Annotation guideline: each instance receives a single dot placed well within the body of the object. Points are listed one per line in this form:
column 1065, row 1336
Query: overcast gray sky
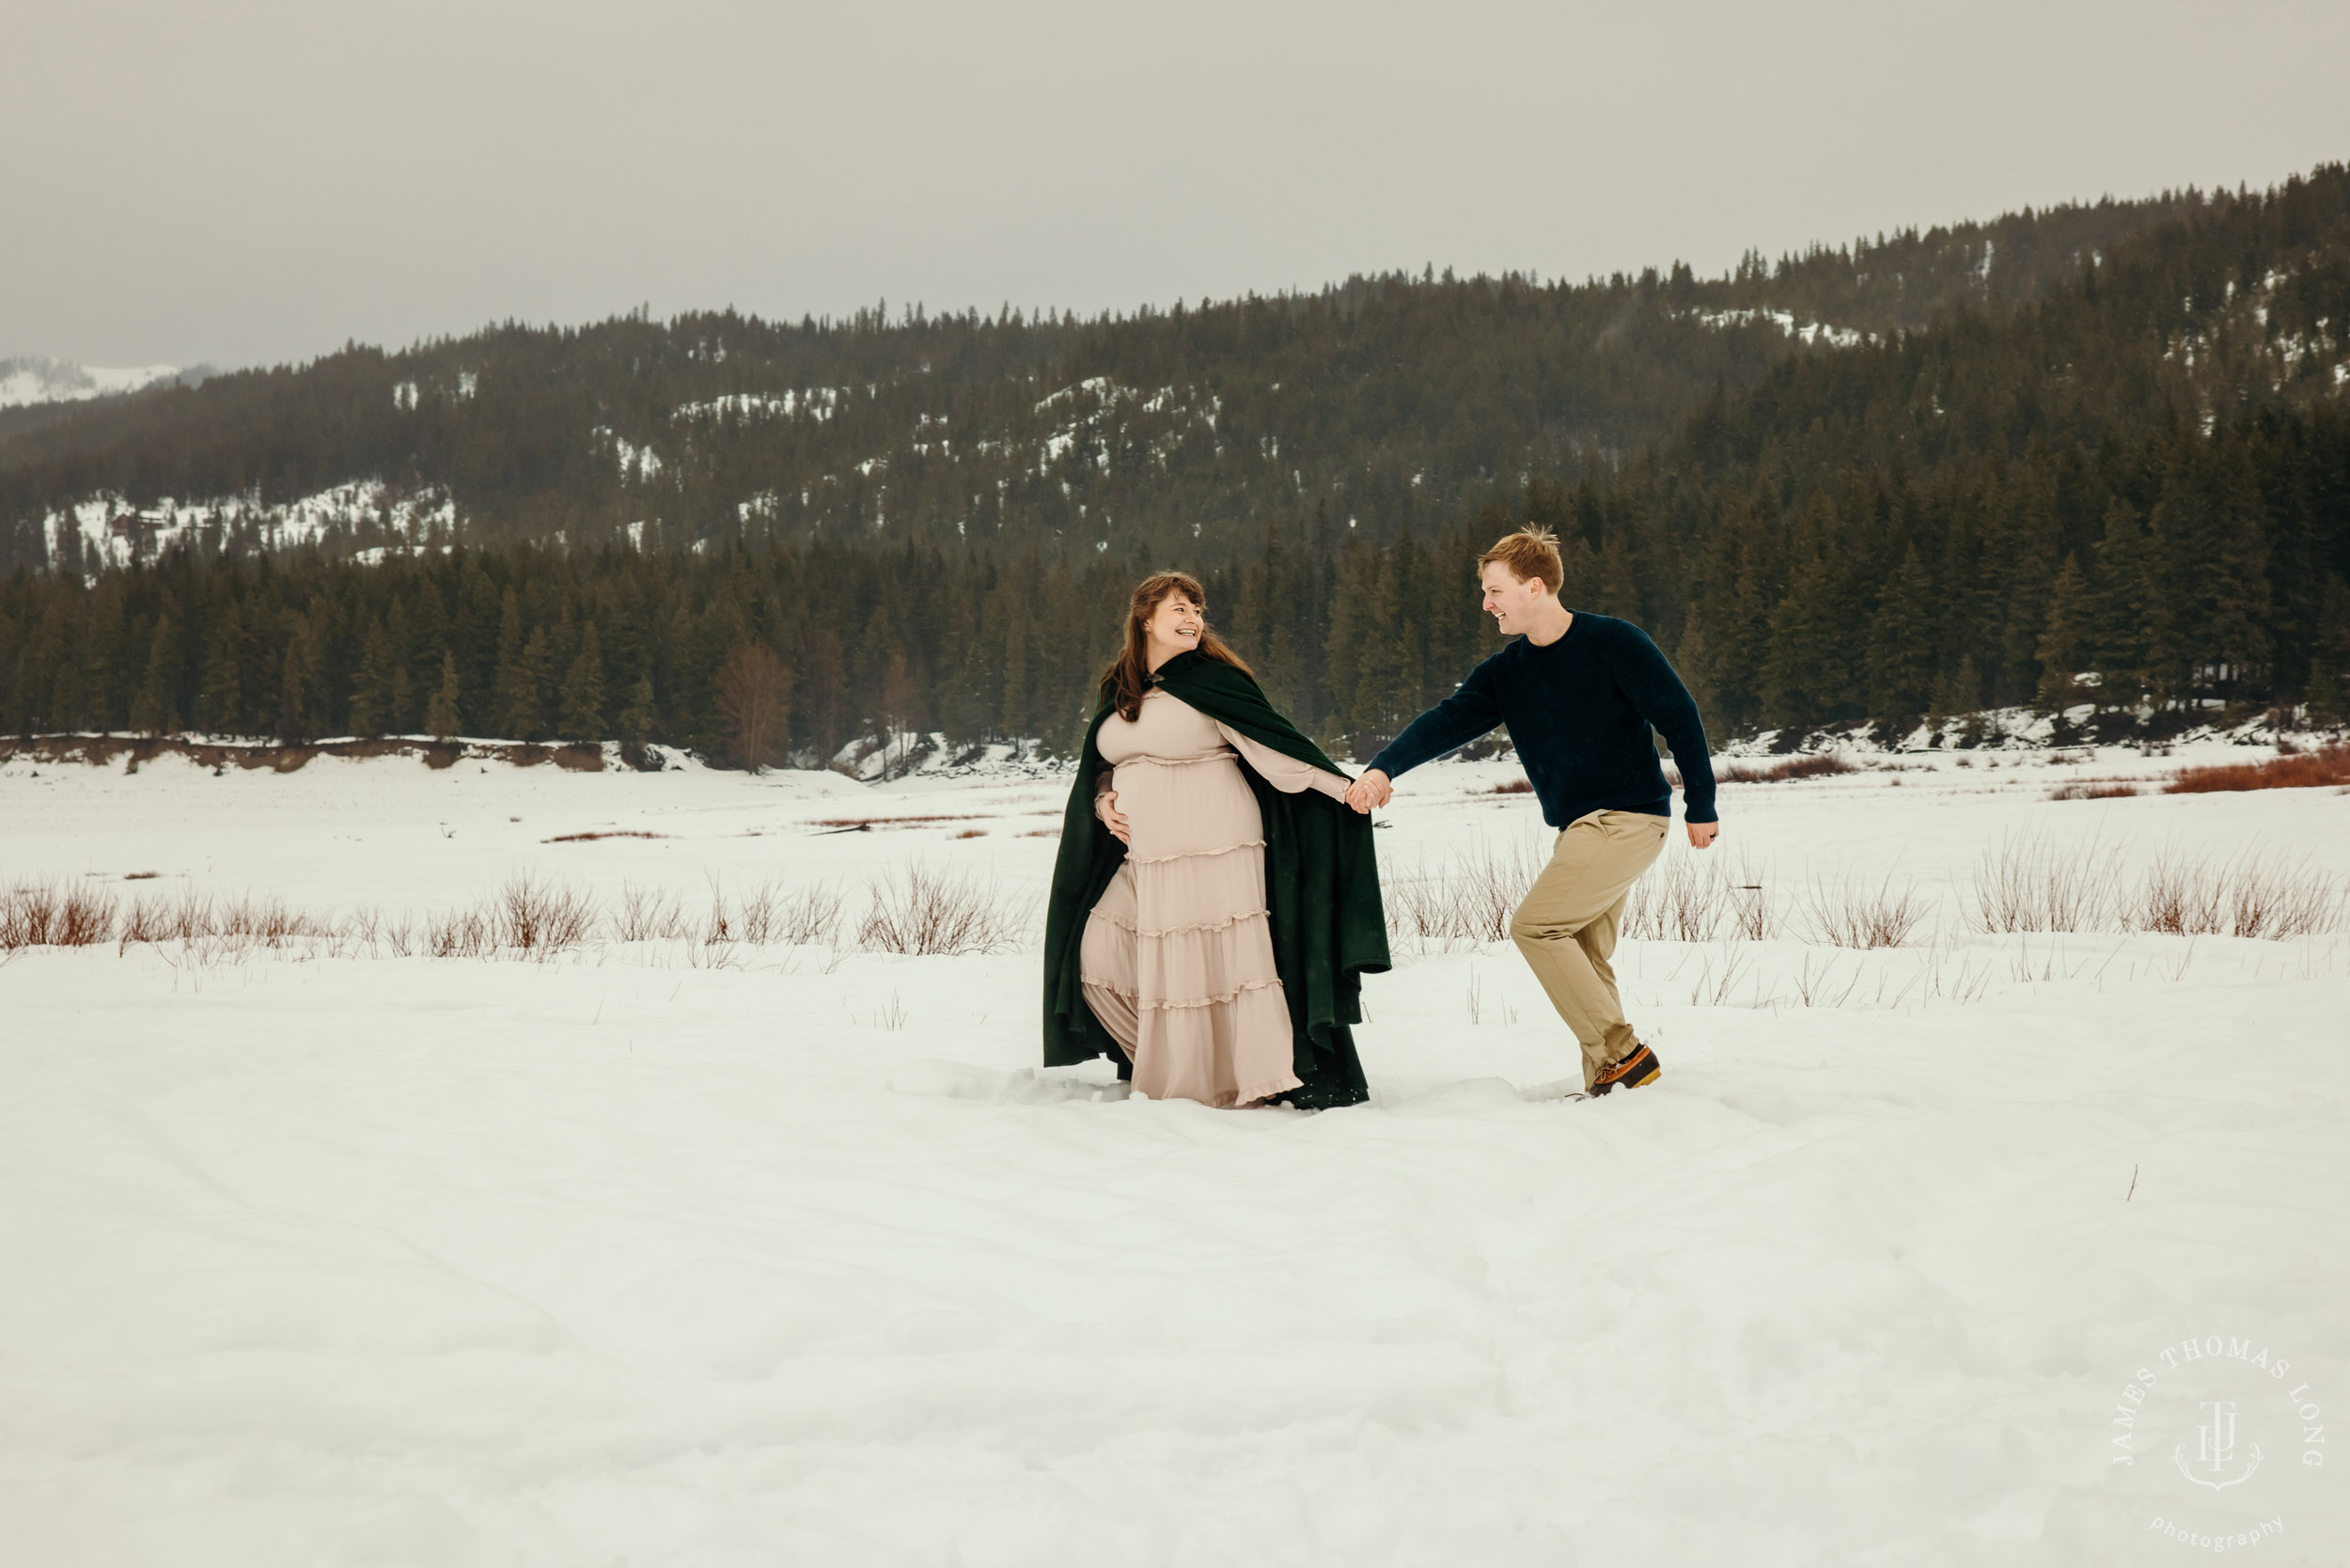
column 245, row 180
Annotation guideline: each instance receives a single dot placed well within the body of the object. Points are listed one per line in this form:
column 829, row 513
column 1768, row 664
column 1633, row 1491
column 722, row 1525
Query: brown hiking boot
column 1636, row 1071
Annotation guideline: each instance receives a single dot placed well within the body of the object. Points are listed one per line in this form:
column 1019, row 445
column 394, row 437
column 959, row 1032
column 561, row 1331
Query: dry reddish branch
column 2308, row 770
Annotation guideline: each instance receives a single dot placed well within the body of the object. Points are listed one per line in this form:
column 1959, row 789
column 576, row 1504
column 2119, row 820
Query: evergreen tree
column 1957, row 693
column 582, row 691
column 515, row 694
column 636, row 722
column 220, row 699
column 442, row 719
column 156, row 710
column 523, row 689
column 372, row 686
column 296, row 717
column 1900, row 642
column 2064, row 637
column 2124, row 596
column 2326, row 700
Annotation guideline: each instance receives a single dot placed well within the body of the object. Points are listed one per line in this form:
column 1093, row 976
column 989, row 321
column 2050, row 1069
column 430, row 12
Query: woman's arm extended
column 1285, row 774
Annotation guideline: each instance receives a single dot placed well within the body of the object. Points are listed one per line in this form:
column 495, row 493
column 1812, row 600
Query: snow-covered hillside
column 681, row 1247
column 36, row 379
column 363, row 518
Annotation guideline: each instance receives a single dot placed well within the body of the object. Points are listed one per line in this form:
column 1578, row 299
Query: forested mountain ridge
column 1401, row 401
column 2143, row 475
column 2126, row 483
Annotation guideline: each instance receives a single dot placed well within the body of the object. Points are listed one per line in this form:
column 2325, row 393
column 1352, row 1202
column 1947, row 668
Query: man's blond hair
column 1531, row 551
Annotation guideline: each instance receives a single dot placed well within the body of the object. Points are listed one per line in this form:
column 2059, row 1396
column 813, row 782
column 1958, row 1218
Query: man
column 1579, row 693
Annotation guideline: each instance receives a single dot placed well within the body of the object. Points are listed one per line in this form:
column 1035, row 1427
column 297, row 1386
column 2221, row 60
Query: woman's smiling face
column 1175, row 624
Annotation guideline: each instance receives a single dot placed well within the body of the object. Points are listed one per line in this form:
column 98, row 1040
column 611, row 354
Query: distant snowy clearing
column 674, row 1250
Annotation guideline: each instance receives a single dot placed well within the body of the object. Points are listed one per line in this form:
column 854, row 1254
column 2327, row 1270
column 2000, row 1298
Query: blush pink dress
column 1176, row 959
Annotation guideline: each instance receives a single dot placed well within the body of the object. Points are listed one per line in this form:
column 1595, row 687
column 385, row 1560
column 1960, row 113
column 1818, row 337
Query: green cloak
column 1321, row 885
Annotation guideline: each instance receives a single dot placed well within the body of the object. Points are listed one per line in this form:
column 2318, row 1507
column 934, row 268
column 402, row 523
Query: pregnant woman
column 1216, row 903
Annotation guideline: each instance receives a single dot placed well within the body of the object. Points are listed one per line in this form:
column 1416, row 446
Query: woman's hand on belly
column 1105, row 807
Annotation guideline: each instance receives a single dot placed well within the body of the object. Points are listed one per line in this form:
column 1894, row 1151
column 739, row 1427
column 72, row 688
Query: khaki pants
column 1566, row 928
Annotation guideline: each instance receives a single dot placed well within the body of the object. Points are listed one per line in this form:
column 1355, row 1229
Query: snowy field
column 675, row 1252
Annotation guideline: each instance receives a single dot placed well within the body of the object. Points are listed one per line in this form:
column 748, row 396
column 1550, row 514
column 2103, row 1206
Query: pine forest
column 2096, row 455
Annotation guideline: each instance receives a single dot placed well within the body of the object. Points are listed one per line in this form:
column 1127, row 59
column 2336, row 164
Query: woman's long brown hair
column 1129, row 675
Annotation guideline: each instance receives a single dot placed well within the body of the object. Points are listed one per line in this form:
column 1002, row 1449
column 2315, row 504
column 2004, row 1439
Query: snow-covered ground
column 673, row 1252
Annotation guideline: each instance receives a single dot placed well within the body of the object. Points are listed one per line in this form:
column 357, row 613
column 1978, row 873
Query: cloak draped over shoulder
column 1322, row 890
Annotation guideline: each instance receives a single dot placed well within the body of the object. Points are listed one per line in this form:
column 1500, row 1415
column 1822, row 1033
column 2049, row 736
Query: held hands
column 1105, row 807
column 1371, row 792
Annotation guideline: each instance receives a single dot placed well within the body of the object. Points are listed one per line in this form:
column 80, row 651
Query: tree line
column 2182, row 568
column 2122, row 480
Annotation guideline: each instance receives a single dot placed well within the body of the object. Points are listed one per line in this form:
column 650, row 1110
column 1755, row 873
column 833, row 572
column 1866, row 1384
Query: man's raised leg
column 1566, row 927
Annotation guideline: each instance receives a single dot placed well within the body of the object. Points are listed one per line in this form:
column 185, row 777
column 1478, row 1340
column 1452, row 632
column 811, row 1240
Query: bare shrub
column 149, row 920
column 190, row 915
column 401, row 936
column 810, row 916
column 1750, row 904
column 1467, row 897
column 379, row 932
column 2024, row 883
column 263, row 922
column 541, row 918
column 2276, row 900
column 648, row 914
column 1681, row 900
column 2027, row 882
column 924, row 912
column 1851, row 913
column 85, row 916
column 1820, row 990
column 29, row 911
column 756, row 914
column 461, row 933
column 2179, row 898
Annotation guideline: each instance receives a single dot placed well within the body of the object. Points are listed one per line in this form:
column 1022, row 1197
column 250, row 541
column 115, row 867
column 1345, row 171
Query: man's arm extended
column 1469, row 713
column 1655, row 690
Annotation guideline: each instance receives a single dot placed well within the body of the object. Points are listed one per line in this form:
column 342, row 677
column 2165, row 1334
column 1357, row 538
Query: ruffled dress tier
column 1177, row 955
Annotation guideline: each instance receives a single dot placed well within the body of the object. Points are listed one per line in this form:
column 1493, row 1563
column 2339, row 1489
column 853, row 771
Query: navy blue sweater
column 1579, row 712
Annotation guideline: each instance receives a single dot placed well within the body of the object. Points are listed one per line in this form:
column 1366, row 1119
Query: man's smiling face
column 1516, row 604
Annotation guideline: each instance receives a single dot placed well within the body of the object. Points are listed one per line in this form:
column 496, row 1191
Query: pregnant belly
column 1186, row 808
